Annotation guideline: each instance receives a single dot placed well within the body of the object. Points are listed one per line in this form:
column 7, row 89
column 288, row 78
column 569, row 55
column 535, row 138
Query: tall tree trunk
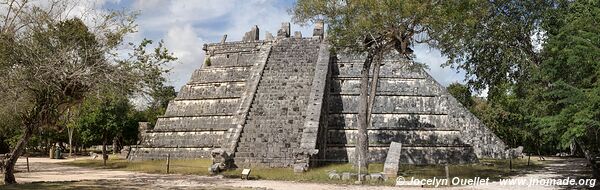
column 9, row 164
column 362, row 141
column 114, row 145
column 373, row 93
column 71, row 130
column 70, row 133
column 104, row 153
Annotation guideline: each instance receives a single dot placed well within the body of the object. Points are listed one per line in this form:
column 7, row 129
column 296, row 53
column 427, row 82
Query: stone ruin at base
column 287, row 101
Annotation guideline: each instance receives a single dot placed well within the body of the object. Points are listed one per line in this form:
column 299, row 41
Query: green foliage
column 102, row 119
column 207, row 62
column 158, row 106
column 54, row 62
column 565, row 90
column 162, row 96
column 496, row 49
column 358, row 25
column 462, row 93
column 506, row 118
column 556, row 99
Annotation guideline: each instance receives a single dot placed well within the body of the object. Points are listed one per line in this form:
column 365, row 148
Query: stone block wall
column 417, row 155
column 411, row 108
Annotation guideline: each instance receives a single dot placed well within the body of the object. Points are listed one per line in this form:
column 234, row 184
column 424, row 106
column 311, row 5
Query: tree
column 160, row 100
column 498, row 46
column 104, row 119
column 50, row 62
column 565, row 89
column 374, row 28
column 462, row 93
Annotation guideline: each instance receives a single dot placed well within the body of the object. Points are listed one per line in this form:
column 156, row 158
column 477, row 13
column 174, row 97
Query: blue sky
column 185, row 25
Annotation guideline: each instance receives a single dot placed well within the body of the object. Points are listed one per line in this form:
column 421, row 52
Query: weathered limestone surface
column 392, row 160
column 390, row 121
column 275, row 123
column 391, row 104
column 286, row 101
column 418, row 155
column 385, row 137
column 314, row 134
column 202, row 107
column 411, row 108
column 200, row 139
column 216, row 123
column 211, row 91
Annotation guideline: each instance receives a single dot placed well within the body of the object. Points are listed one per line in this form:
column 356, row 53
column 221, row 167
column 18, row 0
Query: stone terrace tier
column 410, row 108
column 205, row 108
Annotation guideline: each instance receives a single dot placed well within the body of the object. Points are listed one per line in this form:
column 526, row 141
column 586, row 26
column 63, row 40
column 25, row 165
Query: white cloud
column 158, row 14
column 434, row 59
column 185, row 25
column 187, row 46
column 265, row 15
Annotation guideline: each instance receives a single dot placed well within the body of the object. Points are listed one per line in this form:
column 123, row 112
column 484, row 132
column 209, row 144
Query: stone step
column 276, row 120
column 295, row 117
column 275, row 128
column 263, row 142
column 276, row 113
column 291, row 68
column 285, row 79
column 291, row 76
column 285, row 86
column 292, row 48
column 268, row 147
column 266, row 98
column 277, row 151
column 277, row 108
column 274, row 103
column 286, row 92
column 247, row 162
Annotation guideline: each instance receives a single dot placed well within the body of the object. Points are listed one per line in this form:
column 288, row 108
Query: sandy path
column 48, row 170
column 555, row 168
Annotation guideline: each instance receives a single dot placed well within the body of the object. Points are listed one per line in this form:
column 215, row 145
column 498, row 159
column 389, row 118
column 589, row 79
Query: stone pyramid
column 287, row 101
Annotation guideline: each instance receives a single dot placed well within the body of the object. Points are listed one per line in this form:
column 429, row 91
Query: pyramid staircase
column 275, row 122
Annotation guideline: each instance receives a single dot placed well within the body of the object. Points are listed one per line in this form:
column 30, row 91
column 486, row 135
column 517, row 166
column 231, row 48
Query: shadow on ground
column 102, row 184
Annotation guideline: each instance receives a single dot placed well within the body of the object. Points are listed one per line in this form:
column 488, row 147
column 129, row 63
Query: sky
column 185, row 25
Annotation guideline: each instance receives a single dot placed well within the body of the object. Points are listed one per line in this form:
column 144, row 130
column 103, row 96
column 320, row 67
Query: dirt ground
column 44, row 170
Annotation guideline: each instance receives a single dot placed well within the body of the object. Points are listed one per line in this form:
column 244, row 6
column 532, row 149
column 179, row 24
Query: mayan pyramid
column 286, row 101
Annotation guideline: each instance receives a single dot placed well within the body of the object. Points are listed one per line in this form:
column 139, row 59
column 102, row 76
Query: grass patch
column 196, row 167
column 494, row 169
column 317, row 174
column 487, row 168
